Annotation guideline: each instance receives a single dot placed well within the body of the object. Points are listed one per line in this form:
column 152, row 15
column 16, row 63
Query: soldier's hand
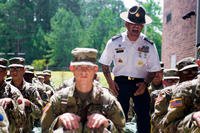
column 6, row 103
column 96, row 120
column 196, row 117
column 141, row 89
column 69, row 121
column 114, row 88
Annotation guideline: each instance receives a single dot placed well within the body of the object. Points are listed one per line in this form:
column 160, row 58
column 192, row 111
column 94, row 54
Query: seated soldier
column 84, row 106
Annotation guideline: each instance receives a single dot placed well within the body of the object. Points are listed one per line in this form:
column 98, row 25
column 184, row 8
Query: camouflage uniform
column 96, row 100
column 35, row 110
column 99, row 101
column 29, row 92
column 165, row 118
column 182, row 101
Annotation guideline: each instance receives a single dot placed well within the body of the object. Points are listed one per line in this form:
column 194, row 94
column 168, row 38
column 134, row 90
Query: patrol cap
column 186, row 63
column 136, row 15
column 170, row 74
column 16, row 62
column 40, row 75
column 84, row 56
column 29, row 69
column 3, row 63
column 47, row 72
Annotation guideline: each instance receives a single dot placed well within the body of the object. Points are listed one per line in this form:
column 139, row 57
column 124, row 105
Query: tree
column 64, row 36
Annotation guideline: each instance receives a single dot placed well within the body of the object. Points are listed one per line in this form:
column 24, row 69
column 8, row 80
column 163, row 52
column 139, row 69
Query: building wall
column 179, row 35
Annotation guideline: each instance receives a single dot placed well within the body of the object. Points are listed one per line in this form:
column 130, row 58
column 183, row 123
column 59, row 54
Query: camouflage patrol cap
column 186, row 63
column 40, row 75
column 29, row 69
column 84, row 56
column 47, row 72
column 170, row 74
column 136, row 15
column 16, row 62
column 3, row 63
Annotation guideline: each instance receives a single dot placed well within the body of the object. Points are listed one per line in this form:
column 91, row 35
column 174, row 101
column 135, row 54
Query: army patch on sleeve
column 46, row 107
column 178, row 102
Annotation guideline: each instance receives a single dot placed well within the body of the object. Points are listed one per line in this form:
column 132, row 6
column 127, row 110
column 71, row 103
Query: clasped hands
column 70, row 121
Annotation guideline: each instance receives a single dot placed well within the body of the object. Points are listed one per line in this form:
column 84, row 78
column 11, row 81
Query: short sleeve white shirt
column 131, row 58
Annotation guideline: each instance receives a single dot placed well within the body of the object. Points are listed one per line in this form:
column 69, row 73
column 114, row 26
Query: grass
column 58, row 77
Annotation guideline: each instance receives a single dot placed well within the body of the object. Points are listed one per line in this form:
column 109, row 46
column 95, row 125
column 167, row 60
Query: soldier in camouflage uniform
column 46, row 91
column 84, row 106
column 29, row 73
column 155, row 86
column 32, row 99
column 8, row 100
column 47, row 78
column 170, row 103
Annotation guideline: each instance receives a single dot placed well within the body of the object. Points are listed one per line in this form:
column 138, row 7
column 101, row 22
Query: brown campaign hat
column 136, row 15
column 84, row 56
column 3, row 63
column 16, row 62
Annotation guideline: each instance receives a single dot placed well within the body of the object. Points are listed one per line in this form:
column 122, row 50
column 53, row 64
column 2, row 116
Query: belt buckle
column 130, row 78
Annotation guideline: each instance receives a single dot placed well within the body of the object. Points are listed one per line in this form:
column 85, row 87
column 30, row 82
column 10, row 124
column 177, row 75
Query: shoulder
column 116, row 37
column 146, row 40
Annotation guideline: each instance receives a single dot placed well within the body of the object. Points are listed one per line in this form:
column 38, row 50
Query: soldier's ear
column 96, row 68
column 71, row 68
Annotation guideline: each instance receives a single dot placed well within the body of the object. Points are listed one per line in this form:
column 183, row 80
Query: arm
column 112, row 85
column 143, row 85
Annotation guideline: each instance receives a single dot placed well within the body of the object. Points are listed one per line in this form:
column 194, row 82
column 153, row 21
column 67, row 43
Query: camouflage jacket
column 15, row 112
column 185, row 100
column 98, row 101
column 35, row 110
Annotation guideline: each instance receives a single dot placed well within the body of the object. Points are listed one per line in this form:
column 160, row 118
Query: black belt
column 127, row 78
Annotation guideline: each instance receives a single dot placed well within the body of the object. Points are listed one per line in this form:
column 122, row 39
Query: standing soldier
column 32, row 99
column 84, row 106
column 135, row 61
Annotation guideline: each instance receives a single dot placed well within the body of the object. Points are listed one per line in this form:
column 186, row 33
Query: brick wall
column 179, row 35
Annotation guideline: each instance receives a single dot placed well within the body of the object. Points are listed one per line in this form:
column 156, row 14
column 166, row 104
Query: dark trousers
column 127, row 88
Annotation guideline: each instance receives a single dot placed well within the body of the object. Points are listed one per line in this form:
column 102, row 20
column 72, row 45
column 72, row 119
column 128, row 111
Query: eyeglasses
column 15, row 69
column 88, row 68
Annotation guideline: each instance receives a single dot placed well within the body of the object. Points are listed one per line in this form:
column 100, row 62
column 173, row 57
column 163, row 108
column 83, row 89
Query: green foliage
column 50, row 29
column 65, row 35
column 39, row 65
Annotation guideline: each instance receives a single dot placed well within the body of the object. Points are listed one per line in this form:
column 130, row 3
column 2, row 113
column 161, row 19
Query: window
column 169, row 17
column 173, row 61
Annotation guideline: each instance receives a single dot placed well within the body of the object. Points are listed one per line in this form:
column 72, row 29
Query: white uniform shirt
column 131, row 58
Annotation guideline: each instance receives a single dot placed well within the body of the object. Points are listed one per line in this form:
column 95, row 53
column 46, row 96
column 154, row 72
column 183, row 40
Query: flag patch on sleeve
column 178, row 102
